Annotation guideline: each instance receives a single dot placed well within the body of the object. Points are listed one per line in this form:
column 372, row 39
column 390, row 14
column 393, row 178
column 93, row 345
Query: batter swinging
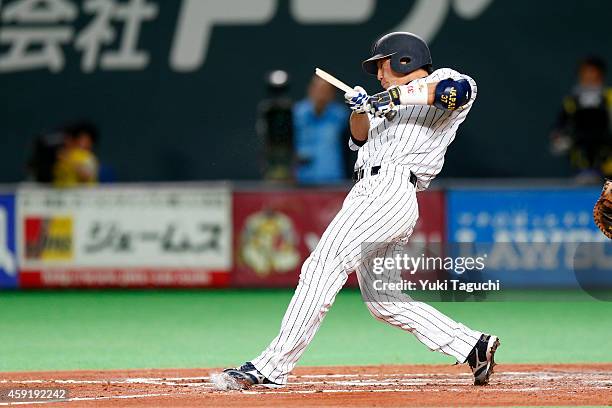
column 398, row 155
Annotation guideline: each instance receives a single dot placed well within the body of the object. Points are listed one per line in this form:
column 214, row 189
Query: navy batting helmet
column 408, row 52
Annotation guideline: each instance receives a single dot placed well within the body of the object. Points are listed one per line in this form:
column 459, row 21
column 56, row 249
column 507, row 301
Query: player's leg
column 431, row 327
column 381, row 214
column 322, row 276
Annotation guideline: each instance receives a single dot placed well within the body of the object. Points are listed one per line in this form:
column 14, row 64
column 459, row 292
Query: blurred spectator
column 320, row 125
column 274, row 127
column 76, row 163
column 583, row 127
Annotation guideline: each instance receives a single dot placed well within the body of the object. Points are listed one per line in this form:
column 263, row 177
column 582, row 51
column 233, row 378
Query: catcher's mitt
column 602, row 213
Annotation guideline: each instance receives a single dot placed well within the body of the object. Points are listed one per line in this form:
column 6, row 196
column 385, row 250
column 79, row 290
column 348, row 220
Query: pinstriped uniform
column 380, row 208
column 418, row 136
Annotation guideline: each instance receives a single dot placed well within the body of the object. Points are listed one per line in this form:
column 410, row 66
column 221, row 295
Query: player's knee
column 451, row 94
column 308, row 270
column 318, row 269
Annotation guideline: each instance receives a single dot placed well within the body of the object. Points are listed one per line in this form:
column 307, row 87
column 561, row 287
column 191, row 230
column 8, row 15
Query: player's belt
column 359, row 174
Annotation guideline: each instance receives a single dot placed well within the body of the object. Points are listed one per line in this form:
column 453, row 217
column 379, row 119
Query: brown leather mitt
column 602, row 213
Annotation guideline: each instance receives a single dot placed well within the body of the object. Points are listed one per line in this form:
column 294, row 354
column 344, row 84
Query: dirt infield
column 588, row 384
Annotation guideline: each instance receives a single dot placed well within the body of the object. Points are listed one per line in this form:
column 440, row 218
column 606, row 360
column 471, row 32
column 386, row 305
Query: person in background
column 274, row 127
column 583, row 128
column 76, row 163
column 320, row 129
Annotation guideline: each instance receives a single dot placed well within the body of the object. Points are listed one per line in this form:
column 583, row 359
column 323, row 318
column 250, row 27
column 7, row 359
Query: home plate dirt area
column 395, row 385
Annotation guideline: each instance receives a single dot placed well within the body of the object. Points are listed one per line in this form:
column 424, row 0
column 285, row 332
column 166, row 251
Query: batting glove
column 357, row 99
column 382, row 103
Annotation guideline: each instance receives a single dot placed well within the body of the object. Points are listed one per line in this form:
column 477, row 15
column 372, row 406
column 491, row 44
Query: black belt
column 358, row 174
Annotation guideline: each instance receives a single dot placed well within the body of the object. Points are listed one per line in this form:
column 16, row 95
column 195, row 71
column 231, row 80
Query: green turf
column 141, row 329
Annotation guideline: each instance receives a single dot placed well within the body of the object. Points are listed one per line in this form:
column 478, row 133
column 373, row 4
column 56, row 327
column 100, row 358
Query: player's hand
column 381, row 103
column 357, row 99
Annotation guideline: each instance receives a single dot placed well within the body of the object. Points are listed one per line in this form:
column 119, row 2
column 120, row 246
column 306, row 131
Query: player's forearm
column 421, row 94
column 428, row 95
column 447, row 94
column 360, row 126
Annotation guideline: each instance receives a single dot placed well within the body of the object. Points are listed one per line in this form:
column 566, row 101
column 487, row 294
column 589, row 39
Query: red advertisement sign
column 274, row 232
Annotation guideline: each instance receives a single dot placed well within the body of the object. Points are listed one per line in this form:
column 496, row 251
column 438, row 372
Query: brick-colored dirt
column 511, row 385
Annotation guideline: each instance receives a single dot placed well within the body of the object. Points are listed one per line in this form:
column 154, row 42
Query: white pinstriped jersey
column 418, row 136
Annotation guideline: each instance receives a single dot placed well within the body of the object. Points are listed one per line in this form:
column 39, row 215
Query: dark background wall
column 160, row 124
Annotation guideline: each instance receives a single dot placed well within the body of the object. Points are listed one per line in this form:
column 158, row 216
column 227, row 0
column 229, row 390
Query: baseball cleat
column 481, row 359
column 247, row 375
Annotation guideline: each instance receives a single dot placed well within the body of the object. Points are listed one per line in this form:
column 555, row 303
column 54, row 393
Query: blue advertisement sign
column 531, row 237
column 8, row 259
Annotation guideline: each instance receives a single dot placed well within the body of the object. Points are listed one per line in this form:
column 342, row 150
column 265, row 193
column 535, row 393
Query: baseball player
column 401, row 135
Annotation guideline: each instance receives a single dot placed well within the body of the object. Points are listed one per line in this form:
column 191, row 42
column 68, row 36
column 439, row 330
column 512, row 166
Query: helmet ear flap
column 405, row 60
column 401, row 64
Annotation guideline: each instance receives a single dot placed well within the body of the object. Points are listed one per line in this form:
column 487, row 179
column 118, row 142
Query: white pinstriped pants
column 380, row 208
